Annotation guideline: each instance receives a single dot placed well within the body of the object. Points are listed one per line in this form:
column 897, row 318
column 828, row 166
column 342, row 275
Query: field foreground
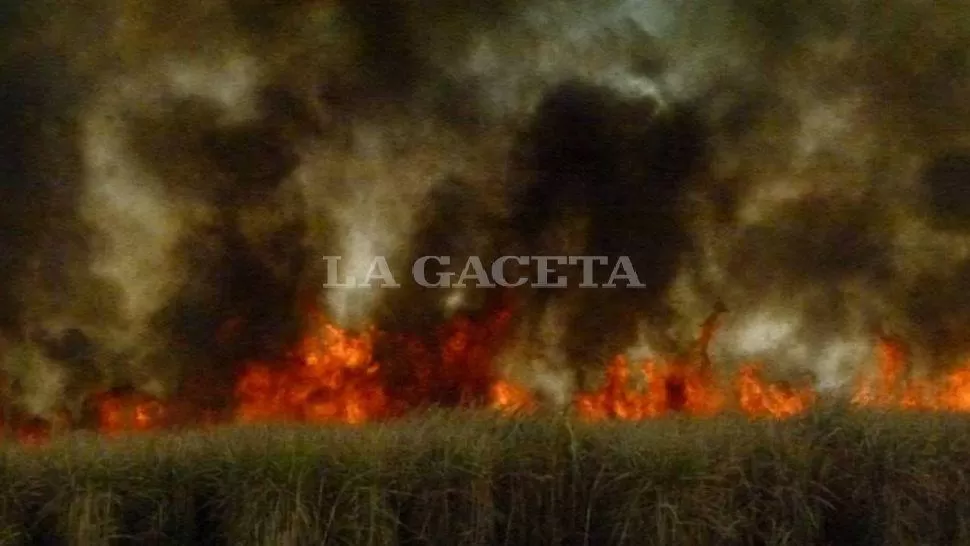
column 828, row 477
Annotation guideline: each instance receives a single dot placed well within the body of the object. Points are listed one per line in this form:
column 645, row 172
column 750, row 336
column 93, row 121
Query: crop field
column 831, row 476
column 519, row 272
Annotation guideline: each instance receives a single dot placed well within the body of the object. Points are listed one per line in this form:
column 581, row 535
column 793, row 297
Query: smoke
column 622, row 165
column 831, row 156
column 175, row 173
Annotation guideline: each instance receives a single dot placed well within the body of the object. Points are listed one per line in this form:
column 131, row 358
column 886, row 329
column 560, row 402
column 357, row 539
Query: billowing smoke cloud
column 622, row 166
column 824, row 212
column 175, row 173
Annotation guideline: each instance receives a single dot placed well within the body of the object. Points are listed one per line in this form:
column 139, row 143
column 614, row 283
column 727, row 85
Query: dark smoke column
column 621, row 167
column 50, row 303
column 241, row 298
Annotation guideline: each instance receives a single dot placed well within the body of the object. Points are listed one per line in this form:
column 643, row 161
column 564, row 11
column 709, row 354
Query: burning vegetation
column 178, row 178
column 334, row 375
column 170, row 189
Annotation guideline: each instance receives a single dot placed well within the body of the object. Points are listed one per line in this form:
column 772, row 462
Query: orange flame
column 129, row 412
column 335, row 375
column 894, row 385
column 510, row 398
column 673, row 386
column 688, row 385
column 779, row 400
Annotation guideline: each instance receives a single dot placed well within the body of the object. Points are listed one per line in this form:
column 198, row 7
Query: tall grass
column 831, row 477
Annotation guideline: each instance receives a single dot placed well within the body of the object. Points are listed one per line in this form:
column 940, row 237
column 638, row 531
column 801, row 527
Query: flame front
column 510, row 398
column 680, row 387
column 118, row 413
column 779, row 400
column 667, row 387
column 894, row 385
column 332, row 377
column 335, row 375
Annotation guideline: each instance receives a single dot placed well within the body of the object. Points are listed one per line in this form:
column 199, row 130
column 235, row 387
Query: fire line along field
column 773, row 349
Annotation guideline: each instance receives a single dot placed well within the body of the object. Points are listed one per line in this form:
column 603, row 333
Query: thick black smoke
column 838, row 166
column 47, row 289
column 174, row 174
column 623, row 166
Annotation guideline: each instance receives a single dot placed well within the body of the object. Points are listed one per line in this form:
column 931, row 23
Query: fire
column 332, row 377
column 338, row 375
column 510, row 398
column 680, row 387
column 779, row 400
column 118, row 413
column 956, row 394
column 33, row 432
column 451, row 367
column 894, row 384
column 673, row 386
column 688, row 385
